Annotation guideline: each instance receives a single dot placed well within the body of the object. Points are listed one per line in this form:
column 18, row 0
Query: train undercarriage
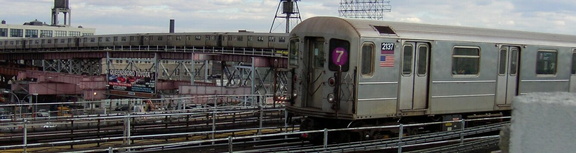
column 315, row 123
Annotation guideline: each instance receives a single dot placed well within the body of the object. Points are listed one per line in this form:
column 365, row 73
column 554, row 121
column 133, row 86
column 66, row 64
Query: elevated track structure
column 89, row 67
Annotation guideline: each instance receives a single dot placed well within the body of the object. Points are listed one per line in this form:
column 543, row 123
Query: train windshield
column 339, row 55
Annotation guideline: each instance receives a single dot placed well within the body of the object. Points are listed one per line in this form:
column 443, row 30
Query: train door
column 315, row 63
column 573, row 73
column 507, row 82
column 414, row 77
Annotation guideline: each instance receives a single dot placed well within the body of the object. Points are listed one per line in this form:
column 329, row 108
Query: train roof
column 343, row 27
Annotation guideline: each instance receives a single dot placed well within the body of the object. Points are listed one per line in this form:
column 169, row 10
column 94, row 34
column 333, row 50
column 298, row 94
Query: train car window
column 99, row 39
column 282, row 39
column 92, row 39
column 169, row 38
column 159, row 37
column 212, row 38
column 546, row 62
column 198, row 37
column 293, row 56
column 115, row 38
column 250, row 38
column 49, row 41
column 407, row 60
column 503, row 62
column 107, row 39
column 178, row 37
column 131, row 38
column 207, row 37
column 37, row 42
column 422, row 60
column 230, row 38
column 271, row 39
column 55, row 41
column 339, row 55
column 43, row 41
column 574, row 62
column 240, row 38
column 466, row 60
column 123, row 39
column 260, row 38
column 368, row 59
column 514, row 62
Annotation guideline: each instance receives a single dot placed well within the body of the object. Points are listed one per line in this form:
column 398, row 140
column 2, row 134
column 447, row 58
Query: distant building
column 37, row 29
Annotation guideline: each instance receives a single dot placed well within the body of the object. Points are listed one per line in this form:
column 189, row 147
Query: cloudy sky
column 150, row 16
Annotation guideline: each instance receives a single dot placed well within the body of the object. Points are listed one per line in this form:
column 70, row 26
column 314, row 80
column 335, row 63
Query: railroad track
column 97, row 132
column 472, row 138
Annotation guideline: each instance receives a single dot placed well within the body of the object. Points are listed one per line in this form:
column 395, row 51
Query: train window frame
column 197, row 37
column 260, row 38
column 456, row 58
column 425, row 58
column 538, row 58
column 502, row 61
column 404, row 62
column 123, row 39
column 573, row 71
column 282, row 39
column 240, row 38
column 367, row 59
column 271, row 39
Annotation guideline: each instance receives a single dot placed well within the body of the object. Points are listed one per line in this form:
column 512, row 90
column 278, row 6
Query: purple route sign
column 339, row 56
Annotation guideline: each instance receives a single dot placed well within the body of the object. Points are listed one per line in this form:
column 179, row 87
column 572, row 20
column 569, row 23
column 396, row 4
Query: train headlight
column 294, row 93
column 331, row 98
column 332, row 81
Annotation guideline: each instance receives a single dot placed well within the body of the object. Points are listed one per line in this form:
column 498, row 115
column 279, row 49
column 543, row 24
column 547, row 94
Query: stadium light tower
column 364, row 9
column 290, row 11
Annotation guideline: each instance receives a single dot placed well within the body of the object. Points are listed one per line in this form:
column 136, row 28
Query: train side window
column 407, row 60
column 422, row 60
column 271, row 39
column 159, row 37
column 514, row 62
column 198, row 38
column 123, row 39
column 178, row 37
column 293, row 56
column 92, row 39
column 503, row 62
column 260, row 38
column 368, row 59
column 240, row 38
column 49, row 41
column 115, row 38
column 169, row 38
column 574, row 62
column 131, row 38
column 107, row 39
column 282, row 39
column 546, row 62
column 250, row 38
column 466, row 61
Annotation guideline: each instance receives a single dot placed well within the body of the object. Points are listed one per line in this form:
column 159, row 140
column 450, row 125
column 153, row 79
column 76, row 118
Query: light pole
column 18, row 101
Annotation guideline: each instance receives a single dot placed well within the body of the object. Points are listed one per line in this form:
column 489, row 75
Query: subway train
column 354, row 73
column 241, row 39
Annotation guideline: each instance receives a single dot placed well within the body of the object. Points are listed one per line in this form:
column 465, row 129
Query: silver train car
column 351, row 73
column 206, row 40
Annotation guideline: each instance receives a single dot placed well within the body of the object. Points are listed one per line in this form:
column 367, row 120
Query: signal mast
column 290, row 11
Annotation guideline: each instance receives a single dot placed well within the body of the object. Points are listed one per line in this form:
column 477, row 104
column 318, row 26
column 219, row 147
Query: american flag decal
column 387, row 61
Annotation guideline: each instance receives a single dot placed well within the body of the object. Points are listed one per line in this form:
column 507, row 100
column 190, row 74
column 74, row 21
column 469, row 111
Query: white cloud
column 127, row 16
